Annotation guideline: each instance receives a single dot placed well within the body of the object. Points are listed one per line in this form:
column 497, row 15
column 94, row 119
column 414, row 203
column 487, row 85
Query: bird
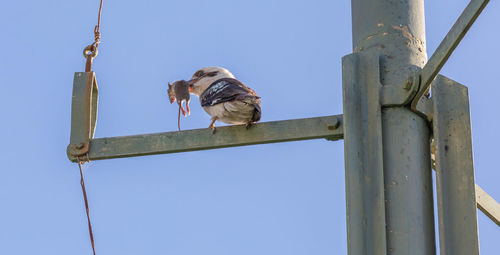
column 225, row 98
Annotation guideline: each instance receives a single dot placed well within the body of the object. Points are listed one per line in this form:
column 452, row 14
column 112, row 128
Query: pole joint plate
column 403, row 94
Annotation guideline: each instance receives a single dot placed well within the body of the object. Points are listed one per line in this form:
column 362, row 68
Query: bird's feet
column 249, row 125
column 212, row 125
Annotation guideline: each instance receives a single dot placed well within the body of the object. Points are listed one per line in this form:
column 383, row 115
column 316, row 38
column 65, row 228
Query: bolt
column 334, row 124
column 408, row 84
column 79, row 146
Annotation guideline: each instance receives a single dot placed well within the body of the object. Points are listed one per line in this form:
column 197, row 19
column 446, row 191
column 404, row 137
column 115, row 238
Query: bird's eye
column 198, row 74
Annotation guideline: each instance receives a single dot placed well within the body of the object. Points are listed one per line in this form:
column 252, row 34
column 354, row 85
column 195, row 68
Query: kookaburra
column 224, row 98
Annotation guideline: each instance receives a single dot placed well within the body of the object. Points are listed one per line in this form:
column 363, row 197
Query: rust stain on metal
column 405, row 31
column 393, row 31
column 357, row 49
column 370, row 37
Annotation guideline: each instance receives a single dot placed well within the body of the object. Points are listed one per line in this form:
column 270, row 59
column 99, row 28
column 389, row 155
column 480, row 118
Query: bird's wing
column 225, row 90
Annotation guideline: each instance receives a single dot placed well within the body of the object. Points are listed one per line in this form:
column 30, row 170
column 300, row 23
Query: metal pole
column 394, row 33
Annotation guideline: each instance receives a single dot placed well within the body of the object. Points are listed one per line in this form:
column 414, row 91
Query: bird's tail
column 256, row 113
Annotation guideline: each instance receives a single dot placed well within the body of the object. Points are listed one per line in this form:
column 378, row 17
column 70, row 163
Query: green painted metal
column 393, row 34
column 329, row 127
column 448, row 45
column 408, row 183
column 396, row 95
column 456, row 198
column 83, row 112
column 365, row 206
column 488, row 205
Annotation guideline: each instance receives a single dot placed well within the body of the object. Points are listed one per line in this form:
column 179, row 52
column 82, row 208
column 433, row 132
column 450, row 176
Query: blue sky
column 284, row 198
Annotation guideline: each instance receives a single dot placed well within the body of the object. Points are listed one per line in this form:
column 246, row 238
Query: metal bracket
column 392, row 95
column 400, row 95
column 83, row 113
column 425, row 108
column 403, row 94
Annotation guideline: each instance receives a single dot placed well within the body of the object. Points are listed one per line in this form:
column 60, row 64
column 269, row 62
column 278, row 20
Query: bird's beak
column 191, row 84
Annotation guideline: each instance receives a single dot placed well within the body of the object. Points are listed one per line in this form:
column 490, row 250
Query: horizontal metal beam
column 448, row 45
column 328, row 127
column 488, row 205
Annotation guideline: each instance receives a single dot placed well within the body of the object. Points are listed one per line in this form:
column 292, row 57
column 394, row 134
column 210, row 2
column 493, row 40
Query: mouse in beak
column 179, row 91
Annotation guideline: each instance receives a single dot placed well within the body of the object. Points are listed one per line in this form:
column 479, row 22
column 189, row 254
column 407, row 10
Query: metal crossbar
column 329, row 127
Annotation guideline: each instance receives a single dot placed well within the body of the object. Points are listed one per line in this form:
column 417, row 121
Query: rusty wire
column 90, row 52
column 97, row 33
column 87, row 210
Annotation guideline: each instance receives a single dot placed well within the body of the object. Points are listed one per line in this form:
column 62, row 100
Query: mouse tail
column 179, row 119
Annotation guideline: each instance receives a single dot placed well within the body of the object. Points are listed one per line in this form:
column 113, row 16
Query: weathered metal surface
column 425, row 108
column 397, row 95
column 454, row 169
column 408, row 183
column 394, row 31
column 329, row 127
column 83, row 112
column 448, row 45
column 363, row 155
column 488, row 205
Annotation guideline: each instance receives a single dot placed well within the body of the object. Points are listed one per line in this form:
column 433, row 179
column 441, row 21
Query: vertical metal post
column 454, row 169
column 363, row 156
column 391, row 33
